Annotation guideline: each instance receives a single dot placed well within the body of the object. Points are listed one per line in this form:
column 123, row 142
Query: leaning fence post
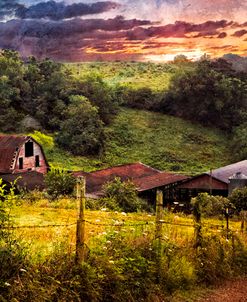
column 158, row 231
column 80, row 227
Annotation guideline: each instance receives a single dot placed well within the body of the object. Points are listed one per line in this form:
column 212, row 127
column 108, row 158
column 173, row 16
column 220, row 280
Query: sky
column 139, row 30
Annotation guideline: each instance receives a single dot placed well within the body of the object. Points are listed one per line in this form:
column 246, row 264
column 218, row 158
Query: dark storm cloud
column 54, row 29
column 179, row 30
column 240, row 33
column 8, row 8
column 222, row 35
column 59, row 10
column 80, row 38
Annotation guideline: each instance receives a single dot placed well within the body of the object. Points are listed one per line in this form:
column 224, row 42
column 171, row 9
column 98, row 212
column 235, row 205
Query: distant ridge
column 239, row 63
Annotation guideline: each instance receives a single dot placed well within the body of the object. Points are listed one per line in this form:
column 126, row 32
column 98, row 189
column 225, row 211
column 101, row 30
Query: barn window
column 37, row 163
column 20, row 163
column 28, row 149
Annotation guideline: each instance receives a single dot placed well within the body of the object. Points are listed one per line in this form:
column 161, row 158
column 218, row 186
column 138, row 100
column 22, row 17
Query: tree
column 124, row 194
column 12, row 85
column 180, row 59
column 59, row 183
column 207, row 96
column 100, row 95
column 82, row 131
column 49, row 89
column 239, row 199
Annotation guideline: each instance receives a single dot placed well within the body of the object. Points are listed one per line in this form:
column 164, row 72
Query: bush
column 124, row 194
column 238, row 199
column 59, row 183
column 212, row 205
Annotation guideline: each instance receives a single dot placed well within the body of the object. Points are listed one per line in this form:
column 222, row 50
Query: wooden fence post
column 158, row 231
column 159, row 214
column 80, row 227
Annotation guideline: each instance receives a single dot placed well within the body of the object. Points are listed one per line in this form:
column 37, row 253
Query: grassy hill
column 164, row 142
column 133, row 74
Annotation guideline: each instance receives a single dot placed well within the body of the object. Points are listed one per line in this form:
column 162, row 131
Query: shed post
column 80, row 227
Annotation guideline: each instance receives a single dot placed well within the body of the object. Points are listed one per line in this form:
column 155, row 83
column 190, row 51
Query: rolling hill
column 161, row 141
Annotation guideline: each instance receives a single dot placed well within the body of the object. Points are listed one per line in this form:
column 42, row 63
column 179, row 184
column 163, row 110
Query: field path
column 230, row 291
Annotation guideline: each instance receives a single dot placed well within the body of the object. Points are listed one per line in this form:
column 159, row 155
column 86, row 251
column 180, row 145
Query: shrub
column 58, row 183
column 238, row 199
column 212, row 205
column 125, row 195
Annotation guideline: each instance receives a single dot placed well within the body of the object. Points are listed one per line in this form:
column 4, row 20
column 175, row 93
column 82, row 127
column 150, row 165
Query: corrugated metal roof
column 95, row 180
column 158, row 180
column 8, row 147
column 30, row 180
column 224, row 173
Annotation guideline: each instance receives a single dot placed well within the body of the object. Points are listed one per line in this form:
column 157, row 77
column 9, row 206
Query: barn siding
column 204, row 182
column 29, row 162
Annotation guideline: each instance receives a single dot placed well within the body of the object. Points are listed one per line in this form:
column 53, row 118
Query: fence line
column 143, row 223
column 36, row 226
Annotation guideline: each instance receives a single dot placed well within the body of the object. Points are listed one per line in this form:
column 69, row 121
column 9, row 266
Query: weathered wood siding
column 29, row 162
column 204, row 182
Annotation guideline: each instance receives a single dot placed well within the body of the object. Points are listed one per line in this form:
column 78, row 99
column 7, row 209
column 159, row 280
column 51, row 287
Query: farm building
column 176, row 188
column 22, row 156
column 221, row 181
column 146, row 179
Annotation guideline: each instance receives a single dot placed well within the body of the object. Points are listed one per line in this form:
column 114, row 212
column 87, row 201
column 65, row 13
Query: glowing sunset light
column 155, row 30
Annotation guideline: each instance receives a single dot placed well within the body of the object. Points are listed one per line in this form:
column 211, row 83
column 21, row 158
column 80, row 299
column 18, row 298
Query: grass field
column 161, row 141
column 132, row 74
column 45, row 226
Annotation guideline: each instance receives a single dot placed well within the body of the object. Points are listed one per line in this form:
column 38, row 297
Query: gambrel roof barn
column 19, row 154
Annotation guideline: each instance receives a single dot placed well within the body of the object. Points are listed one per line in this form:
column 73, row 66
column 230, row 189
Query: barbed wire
column 36, row 226
column 117, row 224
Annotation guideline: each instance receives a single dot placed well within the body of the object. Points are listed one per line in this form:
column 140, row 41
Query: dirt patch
column 230, row 291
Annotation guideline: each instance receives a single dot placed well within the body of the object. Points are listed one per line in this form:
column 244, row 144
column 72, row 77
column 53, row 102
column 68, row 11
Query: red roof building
column 146, row 179
column 20, row 154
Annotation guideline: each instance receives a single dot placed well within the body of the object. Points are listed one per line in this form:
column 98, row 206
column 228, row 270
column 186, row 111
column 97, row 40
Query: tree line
column 45, row 95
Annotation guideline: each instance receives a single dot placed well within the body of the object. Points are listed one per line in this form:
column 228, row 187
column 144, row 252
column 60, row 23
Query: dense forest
column 49, row 96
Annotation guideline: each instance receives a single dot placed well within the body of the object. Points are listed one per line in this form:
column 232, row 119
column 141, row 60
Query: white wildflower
column 23, row 270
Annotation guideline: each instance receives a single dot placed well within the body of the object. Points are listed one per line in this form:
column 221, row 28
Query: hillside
column 133, row 74
column 164, row 142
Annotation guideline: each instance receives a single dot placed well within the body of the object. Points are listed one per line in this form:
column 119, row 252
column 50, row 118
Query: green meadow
column 161, row 141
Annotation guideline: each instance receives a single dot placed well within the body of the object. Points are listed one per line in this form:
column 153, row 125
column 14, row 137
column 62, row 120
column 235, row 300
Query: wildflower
column 7, row 284
column 123, row 213
column 111, row 261
column 104, row 248
column 108, row 242
column 104, row 209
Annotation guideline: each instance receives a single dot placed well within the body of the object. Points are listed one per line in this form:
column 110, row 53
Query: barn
column 22, row 157
column 146, row 179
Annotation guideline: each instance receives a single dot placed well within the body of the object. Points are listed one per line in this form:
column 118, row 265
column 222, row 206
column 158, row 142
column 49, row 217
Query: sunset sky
column 145, row 30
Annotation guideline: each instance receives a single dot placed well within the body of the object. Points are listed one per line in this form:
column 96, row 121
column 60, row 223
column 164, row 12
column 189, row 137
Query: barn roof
column 224, row 173
column 8, row 146
column 158, row 180
column 29, row 180
column 95, row 180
